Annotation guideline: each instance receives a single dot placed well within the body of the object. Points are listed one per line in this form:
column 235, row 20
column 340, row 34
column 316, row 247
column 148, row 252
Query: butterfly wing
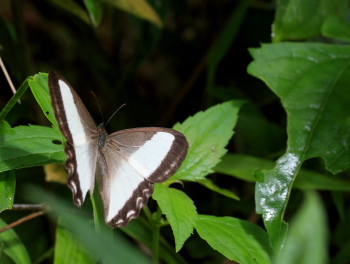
column 80, row 131
column 130, row 162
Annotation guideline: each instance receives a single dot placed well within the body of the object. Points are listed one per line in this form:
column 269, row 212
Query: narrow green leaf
column 225, row 39
column 12, row 246
column 7, row 189
column 312, row 82
column 13, row 100
column 98, row 210
column 68, row 249
column 139, row 8
column 300, row 19
column 95, row 9
column 236, row 239
column 211, row 186
column 179, row 210
column 27, row 146
column 307, row 237
column 243, row 167
column 40, row 89
column 208, row 133
column 72, row 7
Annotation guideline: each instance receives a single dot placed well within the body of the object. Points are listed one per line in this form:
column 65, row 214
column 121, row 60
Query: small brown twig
column 22, row 220
column 2, row 66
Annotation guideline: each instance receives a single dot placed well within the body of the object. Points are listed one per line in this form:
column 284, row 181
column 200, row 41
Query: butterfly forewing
column 80, row 131
column 132, row 160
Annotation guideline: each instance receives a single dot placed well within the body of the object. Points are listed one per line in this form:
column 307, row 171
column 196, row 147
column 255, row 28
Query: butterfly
column 125, row 164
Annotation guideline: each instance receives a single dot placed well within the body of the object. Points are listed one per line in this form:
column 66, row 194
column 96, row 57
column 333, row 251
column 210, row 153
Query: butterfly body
column 125, row 163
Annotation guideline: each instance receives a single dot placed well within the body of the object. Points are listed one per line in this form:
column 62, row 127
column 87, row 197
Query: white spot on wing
column 85, row 151
column 75, row 125
column 130, row 213
column 72, row 183
column 148, row 157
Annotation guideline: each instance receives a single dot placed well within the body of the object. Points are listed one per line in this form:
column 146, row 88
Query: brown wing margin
column 132, row 207
column 173, row 160
column 60, row 113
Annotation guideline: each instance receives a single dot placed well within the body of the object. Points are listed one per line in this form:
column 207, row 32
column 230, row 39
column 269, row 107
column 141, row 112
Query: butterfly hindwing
column 131, row 161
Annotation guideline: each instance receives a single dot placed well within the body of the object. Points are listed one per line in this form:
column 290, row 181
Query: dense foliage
column 266, row 179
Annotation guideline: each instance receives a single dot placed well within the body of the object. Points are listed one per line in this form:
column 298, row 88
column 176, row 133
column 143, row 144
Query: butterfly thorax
column 102, row 135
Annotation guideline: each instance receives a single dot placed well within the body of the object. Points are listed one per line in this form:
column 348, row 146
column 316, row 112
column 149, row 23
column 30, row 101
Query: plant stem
column 20, row 221
column 14, row 100
column 156, row 230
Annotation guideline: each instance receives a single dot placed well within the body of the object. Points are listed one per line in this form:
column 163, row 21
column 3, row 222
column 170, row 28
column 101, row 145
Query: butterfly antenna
column 99, row 108
column 114, row 113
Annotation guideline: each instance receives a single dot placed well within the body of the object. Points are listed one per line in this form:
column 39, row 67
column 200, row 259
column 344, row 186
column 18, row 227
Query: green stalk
column 156, row 231
column 13, row 100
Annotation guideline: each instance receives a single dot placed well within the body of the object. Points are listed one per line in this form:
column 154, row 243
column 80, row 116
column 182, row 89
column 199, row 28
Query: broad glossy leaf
column 13, row 246
column 208, row 133
column 179, row 210
column 307, row 237
column 27, row 146
column 236, row 239
column 303, row 19
column 7, row 189
column 312, row 81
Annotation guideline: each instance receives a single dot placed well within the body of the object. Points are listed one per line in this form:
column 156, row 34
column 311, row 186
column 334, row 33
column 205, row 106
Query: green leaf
column 179, row 210
column 225, row 40
column 299, row 20
column 207, row 133
column 98, row 243
column 27, row 146
column 236, row 239
column 211, row 186
column 336, row 27
column 140, row 230
column 243, row 167
column 13, row 101
column 7, row 189
column 95, row 9
column 68, row 249
column 72, row 7
column 12, row 246
column 139, row 8
column 40, row 89
column 307, row 237
column 312, row 82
